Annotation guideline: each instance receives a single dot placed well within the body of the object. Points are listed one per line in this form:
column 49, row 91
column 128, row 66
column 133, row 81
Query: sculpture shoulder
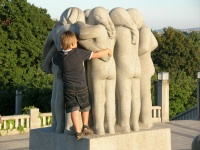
column 62, row 28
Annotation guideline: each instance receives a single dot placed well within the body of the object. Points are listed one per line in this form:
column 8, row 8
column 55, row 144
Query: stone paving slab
column 182, row 135
column 15, row 142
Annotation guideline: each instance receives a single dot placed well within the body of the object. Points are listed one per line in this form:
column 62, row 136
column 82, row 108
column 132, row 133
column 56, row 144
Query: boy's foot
column 79, row 135
column 86, row 130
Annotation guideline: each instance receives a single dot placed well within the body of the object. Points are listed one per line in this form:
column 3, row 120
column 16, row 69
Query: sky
column 158, row 14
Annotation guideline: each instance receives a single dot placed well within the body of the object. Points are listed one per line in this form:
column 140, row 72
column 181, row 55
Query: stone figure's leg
column 59, row 104
column 146, row 103
column 110, row 118
column 135, row 104
column 90, row 89
column 68, row 123
column 53, row 97
column 99, row 105
column 124, row 101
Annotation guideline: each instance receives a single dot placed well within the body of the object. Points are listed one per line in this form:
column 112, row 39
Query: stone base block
column 153, row 139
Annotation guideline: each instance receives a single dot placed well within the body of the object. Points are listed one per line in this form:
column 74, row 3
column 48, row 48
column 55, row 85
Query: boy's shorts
column 76, row 98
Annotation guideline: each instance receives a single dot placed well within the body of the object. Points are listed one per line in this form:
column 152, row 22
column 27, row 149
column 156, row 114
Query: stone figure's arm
column 145, row 35
column 47, row 45
column 91, row 46
column 134, row 30
column 148, row 42
column 47, row 62
column 88, row 31
column 154, row 42
column 108, row 25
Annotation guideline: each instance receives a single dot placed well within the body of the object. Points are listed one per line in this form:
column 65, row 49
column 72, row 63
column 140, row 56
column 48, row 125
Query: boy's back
column 71, row 64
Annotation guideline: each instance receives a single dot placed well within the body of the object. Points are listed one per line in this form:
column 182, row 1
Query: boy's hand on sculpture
column 109, row 52
column 101, row 53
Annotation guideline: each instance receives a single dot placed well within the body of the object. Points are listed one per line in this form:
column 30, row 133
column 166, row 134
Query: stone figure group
column 119, row 86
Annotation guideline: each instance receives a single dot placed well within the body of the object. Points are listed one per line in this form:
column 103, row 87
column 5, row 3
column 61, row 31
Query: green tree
column 179, row 54
column 182, row 92
column 23, row 30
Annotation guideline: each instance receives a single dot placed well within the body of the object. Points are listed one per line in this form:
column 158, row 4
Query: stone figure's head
column 87, row 12
column 100, row 15
column 120, row 17
column 136, row 16
column 72, row 15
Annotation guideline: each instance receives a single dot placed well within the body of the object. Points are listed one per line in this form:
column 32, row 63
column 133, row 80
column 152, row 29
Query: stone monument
column 119, row 86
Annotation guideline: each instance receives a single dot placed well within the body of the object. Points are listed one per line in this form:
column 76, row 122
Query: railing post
column 163, row 95
column 34, row 118
column 198, row 95
column 18, row 102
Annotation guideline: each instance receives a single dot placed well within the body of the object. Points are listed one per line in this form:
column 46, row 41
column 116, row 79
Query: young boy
column 70, row 61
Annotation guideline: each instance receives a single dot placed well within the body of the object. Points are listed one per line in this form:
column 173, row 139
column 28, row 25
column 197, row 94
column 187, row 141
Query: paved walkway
column 182, row 135
column 15, row 142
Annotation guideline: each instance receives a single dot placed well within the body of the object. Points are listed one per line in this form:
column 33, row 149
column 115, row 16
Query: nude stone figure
column 147, row 43
column 128, row 70
column 101, row 74
column 51, row 45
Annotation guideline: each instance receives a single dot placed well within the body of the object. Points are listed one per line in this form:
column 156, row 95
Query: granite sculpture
column 120, row 86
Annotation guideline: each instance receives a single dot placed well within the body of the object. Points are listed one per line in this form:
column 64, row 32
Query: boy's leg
column 85, row 118
column 75, row 120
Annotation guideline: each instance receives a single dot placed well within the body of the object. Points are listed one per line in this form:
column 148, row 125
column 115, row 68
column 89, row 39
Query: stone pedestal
column 153, row 139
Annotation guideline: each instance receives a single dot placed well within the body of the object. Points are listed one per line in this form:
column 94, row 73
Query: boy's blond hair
column 67, row 39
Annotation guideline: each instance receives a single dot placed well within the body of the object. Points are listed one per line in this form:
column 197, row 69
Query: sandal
column 79, row 135
column 86, row 130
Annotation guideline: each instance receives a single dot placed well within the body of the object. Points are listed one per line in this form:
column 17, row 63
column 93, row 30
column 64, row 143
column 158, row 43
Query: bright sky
column 179, row 14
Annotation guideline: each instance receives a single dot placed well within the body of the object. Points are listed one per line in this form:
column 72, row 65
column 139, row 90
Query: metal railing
column 189, row 114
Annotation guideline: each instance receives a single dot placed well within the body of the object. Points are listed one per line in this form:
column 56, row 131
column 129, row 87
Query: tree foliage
column 179, row 54
column 23, row 30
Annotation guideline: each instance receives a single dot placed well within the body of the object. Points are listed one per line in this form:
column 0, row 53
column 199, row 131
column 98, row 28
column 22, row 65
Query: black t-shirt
column 71, row 64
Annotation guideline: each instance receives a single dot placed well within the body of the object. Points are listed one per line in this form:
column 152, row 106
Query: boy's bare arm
column 91, row 45
column 102, row 53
